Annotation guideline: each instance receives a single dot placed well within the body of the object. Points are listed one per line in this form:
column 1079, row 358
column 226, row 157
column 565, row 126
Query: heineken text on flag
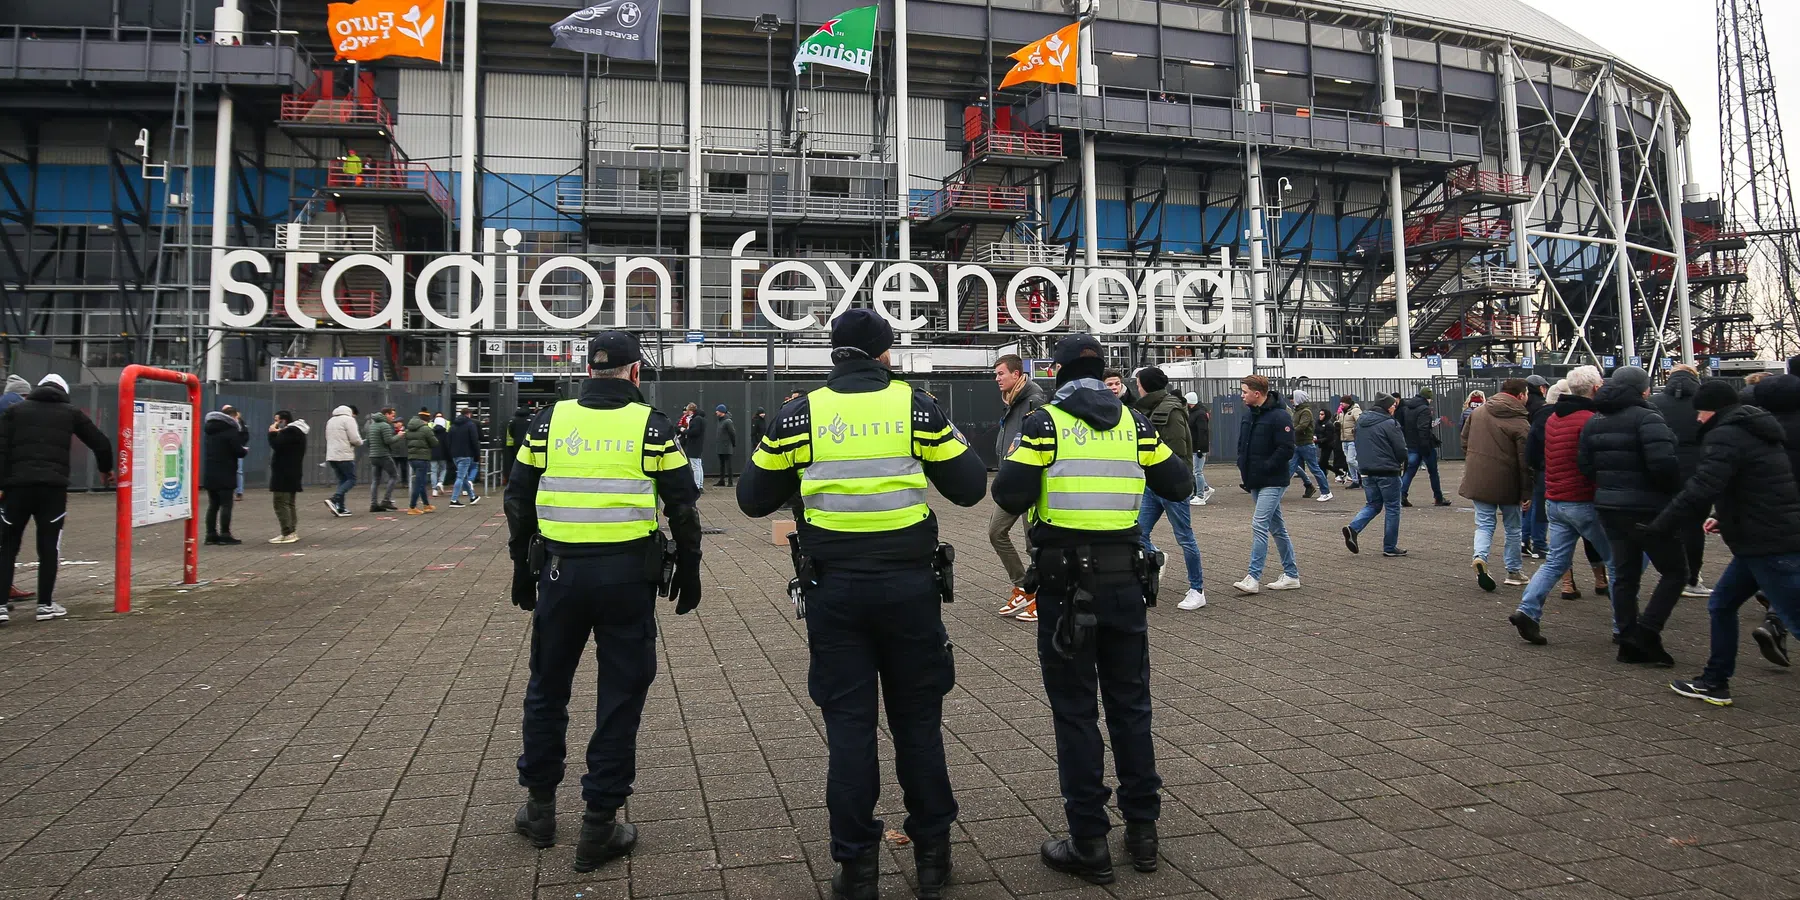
column 621, row 29
column 846, row 41
column 372, row 29
column 1051, row 59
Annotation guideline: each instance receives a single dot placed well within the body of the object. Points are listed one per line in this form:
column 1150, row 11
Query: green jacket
column 382, row 438
column 1306, row 425
column 420, row 438
column 1168, row 415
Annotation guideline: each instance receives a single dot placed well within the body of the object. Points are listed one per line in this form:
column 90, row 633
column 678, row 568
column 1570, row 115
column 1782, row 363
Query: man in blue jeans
column 1306, row 448
column 1569, row 498
column 1419, row 423
column 1265, row 460
column 1380, row 450
column 1168, row 414
column 1747, row 480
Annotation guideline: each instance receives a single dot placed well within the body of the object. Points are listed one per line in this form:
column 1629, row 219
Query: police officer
column 584, row 491
column 1079, row 467
column 860, row 451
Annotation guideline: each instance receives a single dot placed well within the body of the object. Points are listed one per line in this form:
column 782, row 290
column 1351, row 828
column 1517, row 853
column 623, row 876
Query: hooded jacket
column 1418, row 423
column 223, row 441
column 1780, row 396
column 1676, row 404
column 35, row 435
column 1629, row 452
column 1347, row 422
column 440, row 451
column 727, row 436
column 1017, row 484
column 287, row 457
column 16, row 389
column 1380, row 447
column 341, row 439
column 1306, row 421
column 1493, row 444
column 421, row 439
column 383, row 438
column 515, row 432
column 1200, row 429
column 1026, row 400
column 693, row 436
column 1265, row 449
column 1745, row 480
column 1167, row 413
column 465, row 439
column 1563, row 479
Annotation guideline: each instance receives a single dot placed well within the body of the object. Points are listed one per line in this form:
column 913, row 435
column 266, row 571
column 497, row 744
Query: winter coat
column 759, row 426
column 421, row 439
column 1534, row 401
column 728, row 436
column 1419, row 424
column 383, row 438
column 1167, row 413
column 1676, row 403
column 223, row 441
column 287, row 457
column 1780, row 397
column 1026, row 400
column 1629, row 452
column 693, row 436
column 1265, row 450
column 1493, row 446
column 1200, row 429
column 1745, row 479
column 1347, row 422
column 515, row 430
column 1380, row 447
column 1563, row 478
column 341, row 439
column 35, row 436
column 1306, row 422
column 16, row 389
column 465, row 439
column 440, row 452
column 1327, row 431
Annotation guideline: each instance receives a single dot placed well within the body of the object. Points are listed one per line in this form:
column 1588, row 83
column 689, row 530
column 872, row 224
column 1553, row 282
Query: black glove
column 524, row 588
column 685, row 587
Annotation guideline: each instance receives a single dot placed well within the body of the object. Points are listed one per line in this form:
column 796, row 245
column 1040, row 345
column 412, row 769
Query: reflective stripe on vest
column 594, row 489
column 1096, row 482
column 863, row 476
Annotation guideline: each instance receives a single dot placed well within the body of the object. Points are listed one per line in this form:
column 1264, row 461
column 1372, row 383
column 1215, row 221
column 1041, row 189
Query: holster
column 943, row 569
column 1148, row 565
column 1069, row 572
column 537, row 553
column 659, row 563
column 805, row 575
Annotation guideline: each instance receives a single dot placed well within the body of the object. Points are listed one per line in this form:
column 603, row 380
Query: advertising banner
column 368, row 30
column 623, row 29
column 845, row 41
column 329, row 368
column 162, row 435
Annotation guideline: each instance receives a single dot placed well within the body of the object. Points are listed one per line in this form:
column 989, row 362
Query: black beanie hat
column 862, row 329
column 1715, row 395
column 1152, row 379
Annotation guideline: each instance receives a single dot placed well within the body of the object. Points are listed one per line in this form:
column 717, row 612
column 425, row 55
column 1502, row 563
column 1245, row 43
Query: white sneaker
column 1697, row 589
column 53, row 611
column 1324, row 498
column 1248, row 586
column 1284, row 583
column 1207, row 495
column 1193, row 600
column 1196, row 500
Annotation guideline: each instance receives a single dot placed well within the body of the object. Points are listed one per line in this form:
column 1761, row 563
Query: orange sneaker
column 415, row 511
column 1030, row 613
column 430, row 508
column 1017, row 602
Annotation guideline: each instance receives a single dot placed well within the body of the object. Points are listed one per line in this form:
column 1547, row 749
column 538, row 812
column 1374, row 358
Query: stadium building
column 1387, row 180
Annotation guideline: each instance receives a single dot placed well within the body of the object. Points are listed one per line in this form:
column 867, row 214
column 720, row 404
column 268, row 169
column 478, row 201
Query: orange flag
column 1052, row 59
column 371, row 29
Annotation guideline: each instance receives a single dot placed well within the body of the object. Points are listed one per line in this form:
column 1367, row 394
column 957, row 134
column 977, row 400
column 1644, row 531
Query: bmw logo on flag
column 629, row 14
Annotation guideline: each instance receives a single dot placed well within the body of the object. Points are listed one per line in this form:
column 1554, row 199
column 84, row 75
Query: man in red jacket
column 1569, row 499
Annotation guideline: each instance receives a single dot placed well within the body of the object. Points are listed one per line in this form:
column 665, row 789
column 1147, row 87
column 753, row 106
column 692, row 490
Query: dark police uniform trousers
column 609, row 598
column 1115, row 662
column 864, row 625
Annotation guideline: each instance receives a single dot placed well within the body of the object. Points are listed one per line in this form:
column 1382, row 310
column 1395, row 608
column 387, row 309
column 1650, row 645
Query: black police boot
column 536, row 820
column 603, row 839
column 931, row 858
column 1086, row 858
column 1141, row 843
column 860, row 878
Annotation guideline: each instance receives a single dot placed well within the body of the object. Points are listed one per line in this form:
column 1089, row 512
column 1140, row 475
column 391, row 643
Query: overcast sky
column 1673, row 41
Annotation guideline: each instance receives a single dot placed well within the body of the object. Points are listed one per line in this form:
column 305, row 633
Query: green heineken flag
column 846, row 40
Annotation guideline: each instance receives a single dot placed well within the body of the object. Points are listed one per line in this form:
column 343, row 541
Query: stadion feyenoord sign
column 896, row 288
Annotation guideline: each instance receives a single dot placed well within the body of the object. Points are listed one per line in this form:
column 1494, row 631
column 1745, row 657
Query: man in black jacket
column 727, row 445
column 1676, row 403
column 223, row 442
column 463, row 443
column 1200, row 436
column 1380, row 455
column 1419, row 423
column 1745, row 478
column 1265, row 463
column 1780, row 396
column 1629, row 452
column 34, row 474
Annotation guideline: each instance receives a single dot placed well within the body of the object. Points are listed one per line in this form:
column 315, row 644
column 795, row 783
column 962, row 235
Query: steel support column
column 221, row 238
column 1250, row 101
column 1672, row 172
column 1392, row 114
column 1515, row 167
column 692, row 295
column 1615, row 204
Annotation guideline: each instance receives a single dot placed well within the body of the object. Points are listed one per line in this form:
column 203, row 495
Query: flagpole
column 695, row 16
column 902, row 150
column 1087, row 85
column 466, row 194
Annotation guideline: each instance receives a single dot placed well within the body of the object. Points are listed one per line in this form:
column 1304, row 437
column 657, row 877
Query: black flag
column 622, row 29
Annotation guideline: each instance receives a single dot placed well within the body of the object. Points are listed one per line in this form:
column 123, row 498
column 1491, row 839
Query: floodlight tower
column 1757, row 192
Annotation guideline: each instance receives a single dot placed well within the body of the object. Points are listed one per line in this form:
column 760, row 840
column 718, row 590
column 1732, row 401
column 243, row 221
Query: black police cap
column 1072, row 348
column 864, row 330
column 612, row 349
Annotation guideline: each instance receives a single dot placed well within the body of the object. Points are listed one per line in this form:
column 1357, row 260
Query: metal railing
column 570, row 195
column 979, row 198
column 1004, row 254
column 390, row 175
column 1505, row 326
column 1477, row 181
column 335, row 111
column 81, row 52
column 1471, row 228
column 333, row 238
column 1711, row 268
column 312, row 303
column 728, row 139
column 1015, row 143
column 1504, row 278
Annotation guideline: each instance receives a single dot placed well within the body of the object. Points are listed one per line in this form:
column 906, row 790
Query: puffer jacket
column 223, row 441
column 1168, row 415
column 1419, row 423
column 1200, row 429
column 421, row 439
column 1347, row 422
column 1676, row 403
column 1494, row 445
column 1563, row 479
column 1745, row 480
column 1780, row 396
column 1380, row 447
column 383, row 438
column 35, row 435
column 1629, row 452
column 1265, row 450
column 341, row 438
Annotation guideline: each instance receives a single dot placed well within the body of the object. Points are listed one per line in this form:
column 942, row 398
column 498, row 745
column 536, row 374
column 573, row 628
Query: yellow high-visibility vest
column 863, row 476
column 1096, row 481
column 594, row 489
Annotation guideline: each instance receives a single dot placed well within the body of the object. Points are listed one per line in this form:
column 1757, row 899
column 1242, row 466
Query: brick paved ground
column 339, row 718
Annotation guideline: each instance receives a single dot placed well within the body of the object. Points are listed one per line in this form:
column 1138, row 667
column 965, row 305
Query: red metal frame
column 190, row 573
column 390, row 175
column 1489, row 182
column 979, row 197
column 355, row 303
column 1016, row 143
column 1431, row 230
column 341, row 111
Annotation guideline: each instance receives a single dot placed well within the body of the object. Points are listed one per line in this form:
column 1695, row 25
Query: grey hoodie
column 16, row 389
